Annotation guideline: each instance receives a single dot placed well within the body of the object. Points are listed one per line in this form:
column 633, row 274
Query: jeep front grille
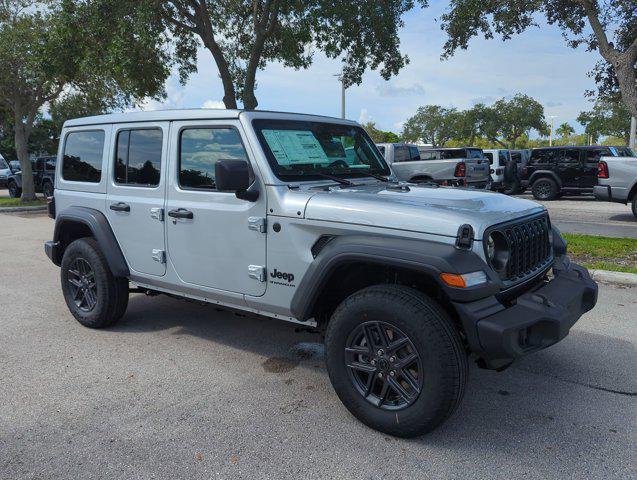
column 529, row 247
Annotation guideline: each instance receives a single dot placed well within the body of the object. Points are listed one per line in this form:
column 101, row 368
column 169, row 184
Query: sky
column 537, row 63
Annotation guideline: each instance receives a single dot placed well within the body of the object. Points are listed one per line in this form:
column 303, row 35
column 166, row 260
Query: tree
column 613, row 24
column 243, row 36
column 565, row 130
column 51, row 48
column 609, row 117
column 507, row 120
column 379, row 136
column 432, row 124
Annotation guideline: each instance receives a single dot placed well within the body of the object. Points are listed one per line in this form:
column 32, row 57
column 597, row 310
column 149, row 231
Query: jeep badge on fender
column 406, row 282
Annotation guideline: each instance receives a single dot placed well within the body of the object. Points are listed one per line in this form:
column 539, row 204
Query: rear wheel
column 14, row 190
column 47, row 189
column 395, row 360
column 94, row 296
column 545, row 189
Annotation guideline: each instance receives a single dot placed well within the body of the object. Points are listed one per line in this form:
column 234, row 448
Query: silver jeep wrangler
column 299, row 218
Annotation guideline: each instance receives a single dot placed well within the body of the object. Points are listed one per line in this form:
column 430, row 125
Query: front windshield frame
column 309, row 173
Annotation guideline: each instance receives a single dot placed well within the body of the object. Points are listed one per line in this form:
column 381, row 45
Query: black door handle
column 180, row 213
column 120, row 207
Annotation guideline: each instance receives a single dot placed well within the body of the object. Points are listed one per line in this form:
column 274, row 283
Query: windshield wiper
column 378, row 177
column 342, row 181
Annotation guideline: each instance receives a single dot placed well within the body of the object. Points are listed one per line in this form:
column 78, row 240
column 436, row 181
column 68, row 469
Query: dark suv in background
column 43, row 176
column 552, row 171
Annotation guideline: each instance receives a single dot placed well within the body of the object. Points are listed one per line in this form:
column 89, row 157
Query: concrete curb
column 36, row 208
column 619, row 278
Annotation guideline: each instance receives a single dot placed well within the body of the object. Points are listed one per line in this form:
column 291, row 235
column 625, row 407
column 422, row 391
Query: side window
column 199, row 150
column 138, row 157
column 414, row 154
column 504, row 156
column 401, row 154
column 50, row 164
column 489, row 156
column 544, row 156
column 594, row 154
column 83, row 152
column 381, row 149
column 427, row 155
column 570, row 155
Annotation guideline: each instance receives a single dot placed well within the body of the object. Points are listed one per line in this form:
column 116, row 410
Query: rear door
column 590, row 165
column 570, row 167
column 135, row 194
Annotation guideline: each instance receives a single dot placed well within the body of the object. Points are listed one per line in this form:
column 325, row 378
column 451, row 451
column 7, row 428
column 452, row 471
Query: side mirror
column 234, row 176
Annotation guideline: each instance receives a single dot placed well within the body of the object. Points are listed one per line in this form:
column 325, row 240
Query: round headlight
column 498, row 251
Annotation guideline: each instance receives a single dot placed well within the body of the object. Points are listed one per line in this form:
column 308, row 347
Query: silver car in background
column 617, row 179
column 463, row 167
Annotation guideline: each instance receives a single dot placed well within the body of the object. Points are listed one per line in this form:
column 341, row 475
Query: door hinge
column 257, row 272
column 159, row 255
column 157, row 213
column 258, row 224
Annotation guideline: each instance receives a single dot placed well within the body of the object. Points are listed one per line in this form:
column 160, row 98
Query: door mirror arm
column 251, row 194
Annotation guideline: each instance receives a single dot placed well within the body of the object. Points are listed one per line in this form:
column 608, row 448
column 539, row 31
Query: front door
column 214, row 238
column 135, row 194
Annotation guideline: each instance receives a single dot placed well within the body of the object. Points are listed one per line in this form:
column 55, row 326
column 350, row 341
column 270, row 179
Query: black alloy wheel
column 81, row 279
column 384, row 365
column 545, row 189
column 14, row 190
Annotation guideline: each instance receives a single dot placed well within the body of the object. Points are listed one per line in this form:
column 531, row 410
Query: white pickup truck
column 462, row 167
column 617, row 180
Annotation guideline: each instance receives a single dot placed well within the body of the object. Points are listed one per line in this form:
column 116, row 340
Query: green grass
column 16, row 202
column 603, row 253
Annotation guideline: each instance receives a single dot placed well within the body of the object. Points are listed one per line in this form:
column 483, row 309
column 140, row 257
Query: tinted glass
column 50, row 163
column 428, row 154
column 625, row 152
column 474, row 154
column 504, row 156
column 594, row 154
column 570, row 156
column 83, row 156
column 489, row 156
column 414, row 153
column 138, row 159
column 199, row 150
column 544, row 156
column 453, row 154
column 381, row 149
column 301, row 149
column 401, row 154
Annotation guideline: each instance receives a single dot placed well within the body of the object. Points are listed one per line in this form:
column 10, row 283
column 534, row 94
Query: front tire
column 14, row 190
column 391, row 328
column 545, row 189
column 94, row 296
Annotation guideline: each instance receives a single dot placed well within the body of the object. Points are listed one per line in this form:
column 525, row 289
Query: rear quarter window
column 544, row 156
column 82, row 158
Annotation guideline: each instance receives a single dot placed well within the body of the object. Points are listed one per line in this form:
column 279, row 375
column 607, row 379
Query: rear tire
column 47, row 189
column 94, row 296
column 545, row 189
column 14, row 190
column 433, row 383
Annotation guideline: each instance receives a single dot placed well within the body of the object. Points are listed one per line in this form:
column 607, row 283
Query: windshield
column 297, row 150
column 3, row 163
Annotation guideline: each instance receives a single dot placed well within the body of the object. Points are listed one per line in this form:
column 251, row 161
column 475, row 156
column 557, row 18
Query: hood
column 437, row 211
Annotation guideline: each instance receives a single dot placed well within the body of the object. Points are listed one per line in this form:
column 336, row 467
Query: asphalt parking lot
column 179, row 390
column 584, row 214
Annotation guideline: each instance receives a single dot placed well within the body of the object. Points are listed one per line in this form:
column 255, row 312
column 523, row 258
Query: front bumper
column 541, row 317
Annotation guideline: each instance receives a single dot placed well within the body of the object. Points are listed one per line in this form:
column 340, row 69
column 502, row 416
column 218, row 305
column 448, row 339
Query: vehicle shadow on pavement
column 560, row 401
column 624, row 217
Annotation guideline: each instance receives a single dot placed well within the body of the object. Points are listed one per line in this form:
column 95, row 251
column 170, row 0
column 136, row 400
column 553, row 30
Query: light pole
column 342, row 80
column 633, row 133
column 552, row 117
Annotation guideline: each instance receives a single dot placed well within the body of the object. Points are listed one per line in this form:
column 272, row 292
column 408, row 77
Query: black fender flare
column 426, row 257
column 101, row 230
column 545, row 173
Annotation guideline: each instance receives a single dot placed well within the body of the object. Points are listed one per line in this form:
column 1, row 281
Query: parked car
column 552, row 171
column 43, row 177
column 5, row 171
column 295, row 217
column 14, row 165
column 497, row 163
column 617, row 178
column 444, row 166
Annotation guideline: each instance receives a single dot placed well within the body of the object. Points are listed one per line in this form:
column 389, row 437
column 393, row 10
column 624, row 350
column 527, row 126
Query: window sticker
column 295, row 146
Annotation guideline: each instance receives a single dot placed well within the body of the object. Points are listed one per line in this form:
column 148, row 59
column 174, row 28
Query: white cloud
column 213, row 104
column 364, row 116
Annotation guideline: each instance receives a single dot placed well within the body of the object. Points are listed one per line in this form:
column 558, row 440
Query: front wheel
column 395, row 360
column 14, row 190
column 94, row 296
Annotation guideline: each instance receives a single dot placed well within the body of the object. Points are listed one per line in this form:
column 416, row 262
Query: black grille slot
column 529, row 247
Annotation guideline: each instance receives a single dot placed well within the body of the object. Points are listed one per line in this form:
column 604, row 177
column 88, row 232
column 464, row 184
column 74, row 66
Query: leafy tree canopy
column 609, row 117
column 432, row 124
column 613, row 25
column 380, row 136
column 565, row 130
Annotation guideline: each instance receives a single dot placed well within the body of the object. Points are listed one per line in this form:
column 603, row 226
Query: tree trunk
column 22, row 149
column 625, row 72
